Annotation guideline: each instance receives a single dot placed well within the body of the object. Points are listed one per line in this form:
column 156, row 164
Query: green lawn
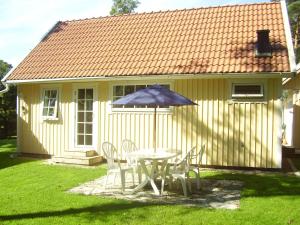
column 34, row 193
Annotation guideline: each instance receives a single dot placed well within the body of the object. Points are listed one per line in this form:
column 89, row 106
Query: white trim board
column 158, row 77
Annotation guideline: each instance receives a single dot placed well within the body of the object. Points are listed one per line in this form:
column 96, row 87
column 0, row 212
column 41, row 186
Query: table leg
column 152, row 176
column 163, row 174
column 145, row 182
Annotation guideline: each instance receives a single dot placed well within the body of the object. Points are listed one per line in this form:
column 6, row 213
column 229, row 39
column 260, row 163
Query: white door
column 84, row 117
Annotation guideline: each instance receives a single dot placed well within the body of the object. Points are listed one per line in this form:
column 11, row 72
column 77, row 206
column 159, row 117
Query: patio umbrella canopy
column 154, row 96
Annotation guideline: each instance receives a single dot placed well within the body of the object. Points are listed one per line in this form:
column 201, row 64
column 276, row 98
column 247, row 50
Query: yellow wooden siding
column 234, row 133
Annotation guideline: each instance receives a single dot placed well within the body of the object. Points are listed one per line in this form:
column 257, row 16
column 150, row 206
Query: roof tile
column 204, row 40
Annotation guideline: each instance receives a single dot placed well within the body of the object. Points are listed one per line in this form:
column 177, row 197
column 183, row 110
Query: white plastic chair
column 129, row 146
column 195, row 168
column 114, row 166
column 180, row 171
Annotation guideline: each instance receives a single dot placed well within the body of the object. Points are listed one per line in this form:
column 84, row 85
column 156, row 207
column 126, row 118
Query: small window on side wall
column 247, row 91
column 50, row 105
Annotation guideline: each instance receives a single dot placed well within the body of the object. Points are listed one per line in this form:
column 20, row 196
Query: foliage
column 4, row 68
column 7, row 105
column 294, row 16
column 32, row 192
column 123, row 6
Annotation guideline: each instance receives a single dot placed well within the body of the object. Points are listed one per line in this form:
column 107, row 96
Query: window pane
column 118, row 91
column 88, row 140
column 80, row 116
column 45, row 111
column 129, row 89
column 89, row 94
column 46, row 101
column 81, row 93
column 80, row 139
column 51, row 112
column 247, row 89
column 80, row 104
column 139, row 87
column 88, row 128
column 80, row 128
column 53, row 93
column 47, row 93
column 52, row 102
column 116, row 106
column 89, row 105
column 89, row 117
column 127, row 106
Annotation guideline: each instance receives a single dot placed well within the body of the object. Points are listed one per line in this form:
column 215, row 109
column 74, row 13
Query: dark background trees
column 294, row 16
column 123, row 6
column 8, row 116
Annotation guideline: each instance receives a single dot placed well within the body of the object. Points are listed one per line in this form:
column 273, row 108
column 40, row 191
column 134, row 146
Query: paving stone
column 219, row 194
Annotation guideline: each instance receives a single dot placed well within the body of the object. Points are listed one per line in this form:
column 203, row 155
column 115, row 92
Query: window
column 247, row 91
column 122, row 90
column 50, row 99
column 84, row 118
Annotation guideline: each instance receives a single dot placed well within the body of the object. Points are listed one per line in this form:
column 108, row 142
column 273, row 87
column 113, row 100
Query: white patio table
column 145, row 155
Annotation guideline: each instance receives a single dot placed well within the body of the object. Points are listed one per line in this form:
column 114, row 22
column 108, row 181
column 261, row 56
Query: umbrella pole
column 154, row 130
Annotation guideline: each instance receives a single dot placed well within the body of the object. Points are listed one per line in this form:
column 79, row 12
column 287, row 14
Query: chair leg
column 123, row 180
column 115, row 175
column 197, row 173
column 183, row 184
column 139, row 170
column 189, row 182
column 107, row 175
column 132, row 173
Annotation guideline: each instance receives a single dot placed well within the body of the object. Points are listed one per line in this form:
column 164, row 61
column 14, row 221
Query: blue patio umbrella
column 154, row 96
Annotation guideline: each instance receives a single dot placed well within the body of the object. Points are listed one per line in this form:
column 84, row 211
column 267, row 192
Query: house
column 291, row 116
column 230, row 60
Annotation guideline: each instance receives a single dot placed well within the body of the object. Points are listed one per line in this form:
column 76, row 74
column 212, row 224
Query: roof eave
column 165, row 76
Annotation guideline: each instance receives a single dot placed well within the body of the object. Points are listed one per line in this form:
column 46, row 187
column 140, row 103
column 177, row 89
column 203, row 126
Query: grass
column 32, row 192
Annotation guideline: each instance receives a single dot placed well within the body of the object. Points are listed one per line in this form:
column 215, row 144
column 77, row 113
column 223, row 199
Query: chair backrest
column 128, row 146
column 110, row 153
column 184, row 164
column 201, row 154
column 196, row 157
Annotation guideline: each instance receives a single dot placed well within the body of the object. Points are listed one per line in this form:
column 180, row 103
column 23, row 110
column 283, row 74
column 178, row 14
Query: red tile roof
column 193, row 41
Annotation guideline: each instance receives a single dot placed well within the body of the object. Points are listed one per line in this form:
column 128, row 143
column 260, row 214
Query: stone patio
column 220, row 194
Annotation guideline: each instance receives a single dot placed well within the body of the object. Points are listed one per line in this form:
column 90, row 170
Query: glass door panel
column 84, row 117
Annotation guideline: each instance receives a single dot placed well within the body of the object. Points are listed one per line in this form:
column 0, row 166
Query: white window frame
column 73, row 132
column 56, row 107
column 261, row 95
column 136, row 82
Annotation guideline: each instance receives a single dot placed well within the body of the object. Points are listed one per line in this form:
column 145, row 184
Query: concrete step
column 78, row 160
column 87, row 153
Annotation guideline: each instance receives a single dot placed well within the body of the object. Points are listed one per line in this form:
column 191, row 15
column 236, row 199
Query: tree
column 123, row 6
column 7, row 105
column 294, row 17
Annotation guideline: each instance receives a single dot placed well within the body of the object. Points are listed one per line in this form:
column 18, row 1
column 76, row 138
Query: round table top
column 150, row 154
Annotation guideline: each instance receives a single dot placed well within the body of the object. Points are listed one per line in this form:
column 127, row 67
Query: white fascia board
column 158, row 77
column 288, row 36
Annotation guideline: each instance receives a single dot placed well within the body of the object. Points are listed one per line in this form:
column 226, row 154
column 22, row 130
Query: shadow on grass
column 7, row 150
column 263, row 185
column 102, row 210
